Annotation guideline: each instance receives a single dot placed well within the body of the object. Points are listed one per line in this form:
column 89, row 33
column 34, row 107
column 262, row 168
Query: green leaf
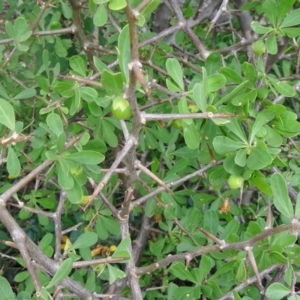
column 277, row 257
column 179, row 270
column 3, row 92
column 291, row 32
column 87, row 157
column 63, row 271
column 231, row 94
column 231, row 228
column 60, row 143
column 283, row 9
column 21, row 276
column 150, row 7
column 100, row 1
column 183, row 109
column 241, row 272
column 25, row 94
column 200, row 91
column 111, row 225
column 249, row 71
column 241, row 158
column 100, row 65
column 223, row 145
column 109, row 135
column 199, row 96
column 10, row 29
column 75, row 193
column 283, row 88
column 88, row 94
column 211, row 221
column 259, row 157
column 203, row 270
column 112, row 83
column 277, row 291
column 54, row 122
column 85, row 240
column 7, row 114
column 245, row 98
column 117, row 4
column 75, row 100
column 78, row 65
column 124, row 51
column 297, row 208
column 191, row 135
column 231, row 75
column 235, row 127
column 261, row 119
column 271, row 44
column 44, row 294
column 100, row 17
column 21, row 29
column 6, row 291
column 215, row 82
column 273, row 138
column 46, row 241
column 270, row 8
column 123, row 247
column 64, row 177
column 174, row 70
column 172, row 86
column 66, row 10
column 13, row 163
column 22, row 47
column 282, row 200
column 286, row 125
column 42, row 82
column 233, row 167
column 257, row 28
column 259, row 181
column 213, row 63
column 60, row 48
column 64, row 88
column 292, row 19
column 114, row 273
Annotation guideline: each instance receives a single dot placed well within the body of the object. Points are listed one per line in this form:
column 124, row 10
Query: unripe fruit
column 121, row 108
column 193, row 108
column 235, row 182
column 258, row 47
column 178, row 124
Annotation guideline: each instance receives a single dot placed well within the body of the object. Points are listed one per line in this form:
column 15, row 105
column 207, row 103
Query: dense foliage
column 149, row 149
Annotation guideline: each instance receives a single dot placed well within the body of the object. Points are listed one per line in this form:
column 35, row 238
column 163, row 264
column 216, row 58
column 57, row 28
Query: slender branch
column 251, row 280
column 206, row 115
column 82, row 80
column 129, row 144
column 179, row 181
column 57, row 224
column 213, row 248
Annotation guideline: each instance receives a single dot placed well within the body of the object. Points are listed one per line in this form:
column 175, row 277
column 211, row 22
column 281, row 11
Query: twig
column 213, row 248
column 129, row 143
column 151, row 175
column 179, row 181
column 207, row 115
column 250, row 280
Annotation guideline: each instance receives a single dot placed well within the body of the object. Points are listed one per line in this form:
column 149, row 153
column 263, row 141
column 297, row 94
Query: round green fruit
column 121, row 108
column 193, row 108
column 235, row 182
column 178, row 124
column 258, row 47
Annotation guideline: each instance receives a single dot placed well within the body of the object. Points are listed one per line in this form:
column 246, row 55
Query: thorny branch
column 128, row 153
